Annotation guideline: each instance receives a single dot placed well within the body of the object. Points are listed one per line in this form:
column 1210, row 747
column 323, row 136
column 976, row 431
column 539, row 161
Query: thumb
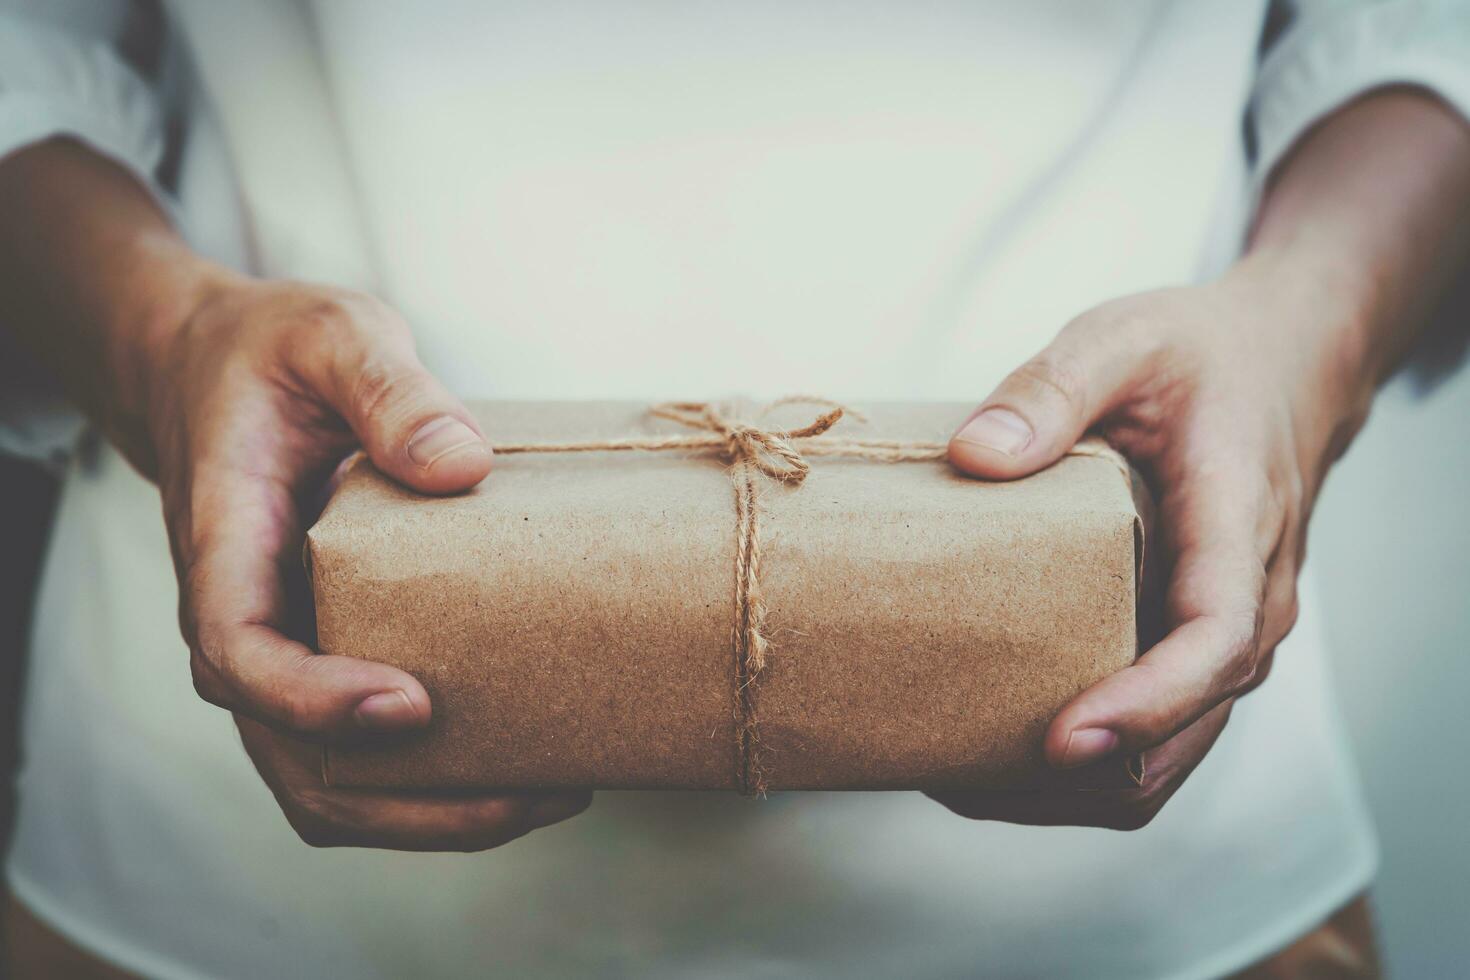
column 1042, row 408
column 409, row 424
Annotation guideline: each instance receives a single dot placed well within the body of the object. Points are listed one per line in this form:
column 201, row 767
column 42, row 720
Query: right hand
column 252, row 401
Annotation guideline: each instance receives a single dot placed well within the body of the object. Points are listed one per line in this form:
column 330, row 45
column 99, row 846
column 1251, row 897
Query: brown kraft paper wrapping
column 572, row 616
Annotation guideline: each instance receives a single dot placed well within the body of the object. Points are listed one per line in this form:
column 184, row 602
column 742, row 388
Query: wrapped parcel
column 584, row 617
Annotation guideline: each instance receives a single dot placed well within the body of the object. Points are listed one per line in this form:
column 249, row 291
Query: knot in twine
column 780, row 455
column 768, row 450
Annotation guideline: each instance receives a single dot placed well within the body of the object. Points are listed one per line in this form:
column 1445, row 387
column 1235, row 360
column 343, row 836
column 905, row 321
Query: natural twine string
column 779, row 454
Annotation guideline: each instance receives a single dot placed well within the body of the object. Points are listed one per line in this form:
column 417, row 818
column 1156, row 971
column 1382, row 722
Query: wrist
column 1320, row 321
column 1327, row 314
column 162, row 284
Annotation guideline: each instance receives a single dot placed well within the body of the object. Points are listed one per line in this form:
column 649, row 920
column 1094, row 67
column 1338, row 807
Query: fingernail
column 1088, row 745
column 999, row 429
column 386, row 711
column 439, row 438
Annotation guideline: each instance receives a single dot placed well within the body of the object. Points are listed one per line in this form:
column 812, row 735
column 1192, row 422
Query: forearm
column 92, row 279
column 1368, row 220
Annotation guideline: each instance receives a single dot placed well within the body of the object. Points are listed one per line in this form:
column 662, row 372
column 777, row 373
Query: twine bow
column 779, row 454
column 768, row 450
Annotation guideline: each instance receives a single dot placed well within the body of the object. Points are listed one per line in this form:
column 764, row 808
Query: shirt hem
column 102, row 943
column 1280, row 933
column 1286, row 929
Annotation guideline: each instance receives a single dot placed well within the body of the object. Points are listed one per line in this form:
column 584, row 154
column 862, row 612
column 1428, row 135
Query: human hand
column 1232, row 399
column 252, row 402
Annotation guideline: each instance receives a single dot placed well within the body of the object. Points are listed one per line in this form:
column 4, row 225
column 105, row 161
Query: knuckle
column 1245, row 683
column 1288, row 492
column 297, row 703
column 317, row 839
column 296, row 711
column 386, row 320
column 1246, row 679
column 1256, row 487
column 1244, row 676
column 206, row 680
column 1126, row 820
column 327, row 318
column 496, row 813
column 1258, row 676
column 1138, row 325
column 188, row 620
column 1155, row 724
column 1291, row 614
column 1282, row 612
column 347, row 316
column 490, row 825
column 341, row 327
column 1140, row 807
column 1133, row 816
column 314, row 833
column 1054, row 375
column 311, row 816
column 1240, row 651
column 379, row 388
column 1124, row 317
column 195, row 585
column 212, row 659
column 1279, row 495
column 1278, row 515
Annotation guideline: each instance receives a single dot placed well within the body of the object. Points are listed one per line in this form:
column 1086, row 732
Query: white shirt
column 584, row 199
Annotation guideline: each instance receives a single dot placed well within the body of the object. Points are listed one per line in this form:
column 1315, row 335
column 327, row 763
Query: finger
column 255, row 670
column 242, row 530
column 1129, row 808
column 427, row 823
column 412, row 428
column 1277, row 620
column 1283, row 605
column 1043, row 407
column 1215, row 603
column 326, row 817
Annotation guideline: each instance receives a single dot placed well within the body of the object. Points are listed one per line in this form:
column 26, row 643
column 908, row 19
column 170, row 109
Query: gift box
column 729, row 598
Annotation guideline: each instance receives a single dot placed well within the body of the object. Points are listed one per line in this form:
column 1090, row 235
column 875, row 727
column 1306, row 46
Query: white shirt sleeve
column 1332, row 51
column 65, row 80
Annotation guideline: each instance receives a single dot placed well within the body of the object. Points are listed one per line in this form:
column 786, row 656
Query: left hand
column 1232, row 399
